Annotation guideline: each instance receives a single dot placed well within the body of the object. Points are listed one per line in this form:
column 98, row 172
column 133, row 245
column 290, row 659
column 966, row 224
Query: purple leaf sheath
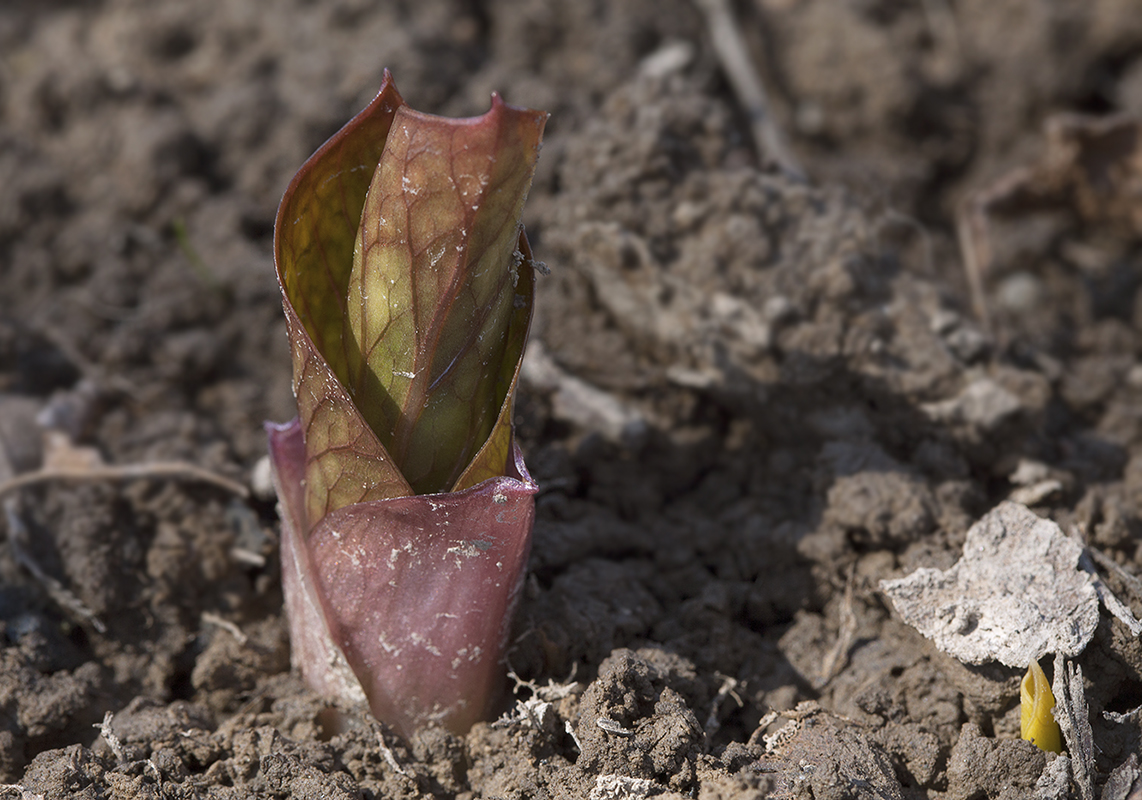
column 425, row 588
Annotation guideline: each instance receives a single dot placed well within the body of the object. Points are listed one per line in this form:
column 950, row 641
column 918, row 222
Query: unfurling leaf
column 408, row 285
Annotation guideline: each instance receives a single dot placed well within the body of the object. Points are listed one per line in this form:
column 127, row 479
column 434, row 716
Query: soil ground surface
column 749, row 398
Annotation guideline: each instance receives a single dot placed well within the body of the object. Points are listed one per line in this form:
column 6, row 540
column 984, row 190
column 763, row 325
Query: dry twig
column 743, row 76
column 1073, row 717
column 210, row 618
column 390, row 759
column 60, row 594
column 109, row 736
column 169, row 470
column 838, row 656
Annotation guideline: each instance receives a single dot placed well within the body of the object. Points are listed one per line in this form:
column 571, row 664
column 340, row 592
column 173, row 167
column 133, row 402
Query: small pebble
column 262, row 479
column 1021, row 292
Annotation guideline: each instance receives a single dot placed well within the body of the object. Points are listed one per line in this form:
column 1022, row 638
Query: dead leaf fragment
column 1017, row 593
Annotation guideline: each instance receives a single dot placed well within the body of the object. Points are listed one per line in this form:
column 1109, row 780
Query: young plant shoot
column 1036, row 700
column 407, row 284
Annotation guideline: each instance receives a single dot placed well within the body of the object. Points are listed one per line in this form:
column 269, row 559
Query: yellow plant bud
column 1036, row 722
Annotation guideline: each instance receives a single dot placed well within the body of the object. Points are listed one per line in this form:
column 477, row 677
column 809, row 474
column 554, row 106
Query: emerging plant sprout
column 1036, row 700
column 407, row 284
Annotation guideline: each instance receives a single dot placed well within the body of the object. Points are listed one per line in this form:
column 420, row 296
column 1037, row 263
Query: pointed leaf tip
column 319, row 215
column 314, row 236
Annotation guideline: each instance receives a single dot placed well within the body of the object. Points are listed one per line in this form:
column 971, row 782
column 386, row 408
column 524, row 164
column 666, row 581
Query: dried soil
column 749, row 399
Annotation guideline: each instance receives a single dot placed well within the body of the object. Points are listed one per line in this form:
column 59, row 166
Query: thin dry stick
column 390, row 759
column 172, row 470
column 1110, row 565
column 975, row 247
column 108, row 734
column 567, row 726
column 837, row 657
column 755, row 738
column 743, row 75
column 210, row 618
column 1109, row 599
column 728, row 689
column 60, row 594
column 1073, row 717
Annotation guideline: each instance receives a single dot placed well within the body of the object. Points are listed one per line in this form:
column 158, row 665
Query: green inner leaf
column 435, row 286
column 493, row 457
